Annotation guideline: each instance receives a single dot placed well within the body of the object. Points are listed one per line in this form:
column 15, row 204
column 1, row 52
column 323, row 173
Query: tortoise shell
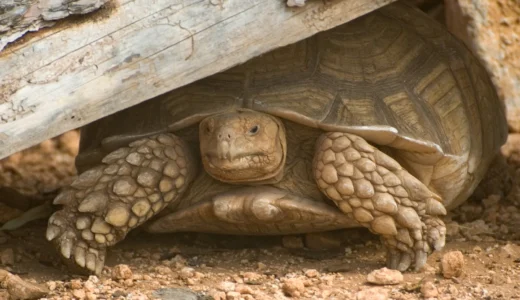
column 394, row 77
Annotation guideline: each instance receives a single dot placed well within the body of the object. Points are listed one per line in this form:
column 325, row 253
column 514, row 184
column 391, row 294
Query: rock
column 89, row 286
column 163, row 270
column 452, row 264
column 312, row 273
column 226, row 286
column 217, row 295
column 187, row 272
column 79, row 294
column 511, row 250
column 429, row 290
column 51, row 285
column 491, row 30
column 323, row 240
column 175, row 293
column 243, row 289
column 7, row 257
column 385, row 276
column 251, row 277
column 292, row 242
column 19, row 289
column 75, row 284
column 233, row 296
column 139, row 296
column 376, row 293
column 121, row 272
column 293, row 287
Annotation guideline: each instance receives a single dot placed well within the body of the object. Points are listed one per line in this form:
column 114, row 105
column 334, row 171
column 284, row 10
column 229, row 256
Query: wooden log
column 68, row 77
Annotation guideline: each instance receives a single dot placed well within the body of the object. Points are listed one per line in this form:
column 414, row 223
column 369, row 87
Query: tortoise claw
column 420, row 259
column 405, row 262
column 392, row 259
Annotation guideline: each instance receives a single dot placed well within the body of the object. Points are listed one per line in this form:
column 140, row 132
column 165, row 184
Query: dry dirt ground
column 199, row 266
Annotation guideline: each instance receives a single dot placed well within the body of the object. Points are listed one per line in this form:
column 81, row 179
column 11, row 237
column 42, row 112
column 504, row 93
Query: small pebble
column 51, row 285
column 429, row 290
column 163, row 270
column 79, row 294
column 385, row 276
column 311, row 273
column 251, row 277
column 226, row 286
column 243, row 289
column 452, row 264
column 293, row 287
column 217, row 295
column 121, row 272
column 375, row 293
column 187, row 272
column 75, row 284
column 233, row 296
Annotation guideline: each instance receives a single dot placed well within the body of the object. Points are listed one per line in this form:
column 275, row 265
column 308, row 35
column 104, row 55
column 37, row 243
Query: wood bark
column 18, row 17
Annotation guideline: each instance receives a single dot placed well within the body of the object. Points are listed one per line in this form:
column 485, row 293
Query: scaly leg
column 377, row 192
column 104, row 203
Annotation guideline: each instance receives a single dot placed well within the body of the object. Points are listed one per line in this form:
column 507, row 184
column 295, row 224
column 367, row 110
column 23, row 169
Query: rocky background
column 480, row 261
column 491, row 29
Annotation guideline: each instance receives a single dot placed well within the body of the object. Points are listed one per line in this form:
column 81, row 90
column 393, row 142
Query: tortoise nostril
column 229, row 136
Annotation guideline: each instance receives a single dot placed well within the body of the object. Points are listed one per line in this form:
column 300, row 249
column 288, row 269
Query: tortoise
column 385, row 122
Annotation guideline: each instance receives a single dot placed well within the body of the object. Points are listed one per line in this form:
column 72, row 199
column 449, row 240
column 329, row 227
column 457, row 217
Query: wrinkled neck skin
column 243, row 147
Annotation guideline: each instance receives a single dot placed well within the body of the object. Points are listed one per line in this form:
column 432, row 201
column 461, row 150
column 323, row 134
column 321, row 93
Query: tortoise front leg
column 104, row 203
column 377, row 192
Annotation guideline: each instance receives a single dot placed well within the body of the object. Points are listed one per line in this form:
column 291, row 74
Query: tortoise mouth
column 244, row 168
column 238, row 162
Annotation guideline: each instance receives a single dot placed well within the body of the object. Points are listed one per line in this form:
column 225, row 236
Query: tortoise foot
column 104, row 203
column 372, row 188
column 77, row 248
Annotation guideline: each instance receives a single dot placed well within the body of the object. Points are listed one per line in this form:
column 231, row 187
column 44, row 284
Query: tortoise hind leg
column 377, row 192
column 104, row 203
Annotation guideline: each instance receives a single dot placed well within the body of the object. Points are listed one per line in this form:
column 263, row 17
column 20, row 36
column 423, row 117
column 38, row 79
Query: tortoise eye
column 254, row 130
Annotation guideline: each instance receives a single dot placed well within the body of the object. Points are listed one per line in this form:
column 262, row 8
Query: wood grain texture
column 18, row 17
column 72, row 76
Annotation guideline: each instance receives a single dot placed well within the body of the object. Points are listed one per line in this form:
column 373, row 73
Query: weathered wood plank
column 18, row 17
column 73, row 76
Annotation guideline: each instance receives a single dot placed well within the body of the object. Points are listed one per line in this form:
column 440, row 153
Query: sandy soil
column 201, row 266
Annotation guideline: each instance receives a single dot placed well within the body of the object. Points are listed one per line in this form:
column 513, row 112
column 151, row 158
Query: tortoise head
column 243, row 146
